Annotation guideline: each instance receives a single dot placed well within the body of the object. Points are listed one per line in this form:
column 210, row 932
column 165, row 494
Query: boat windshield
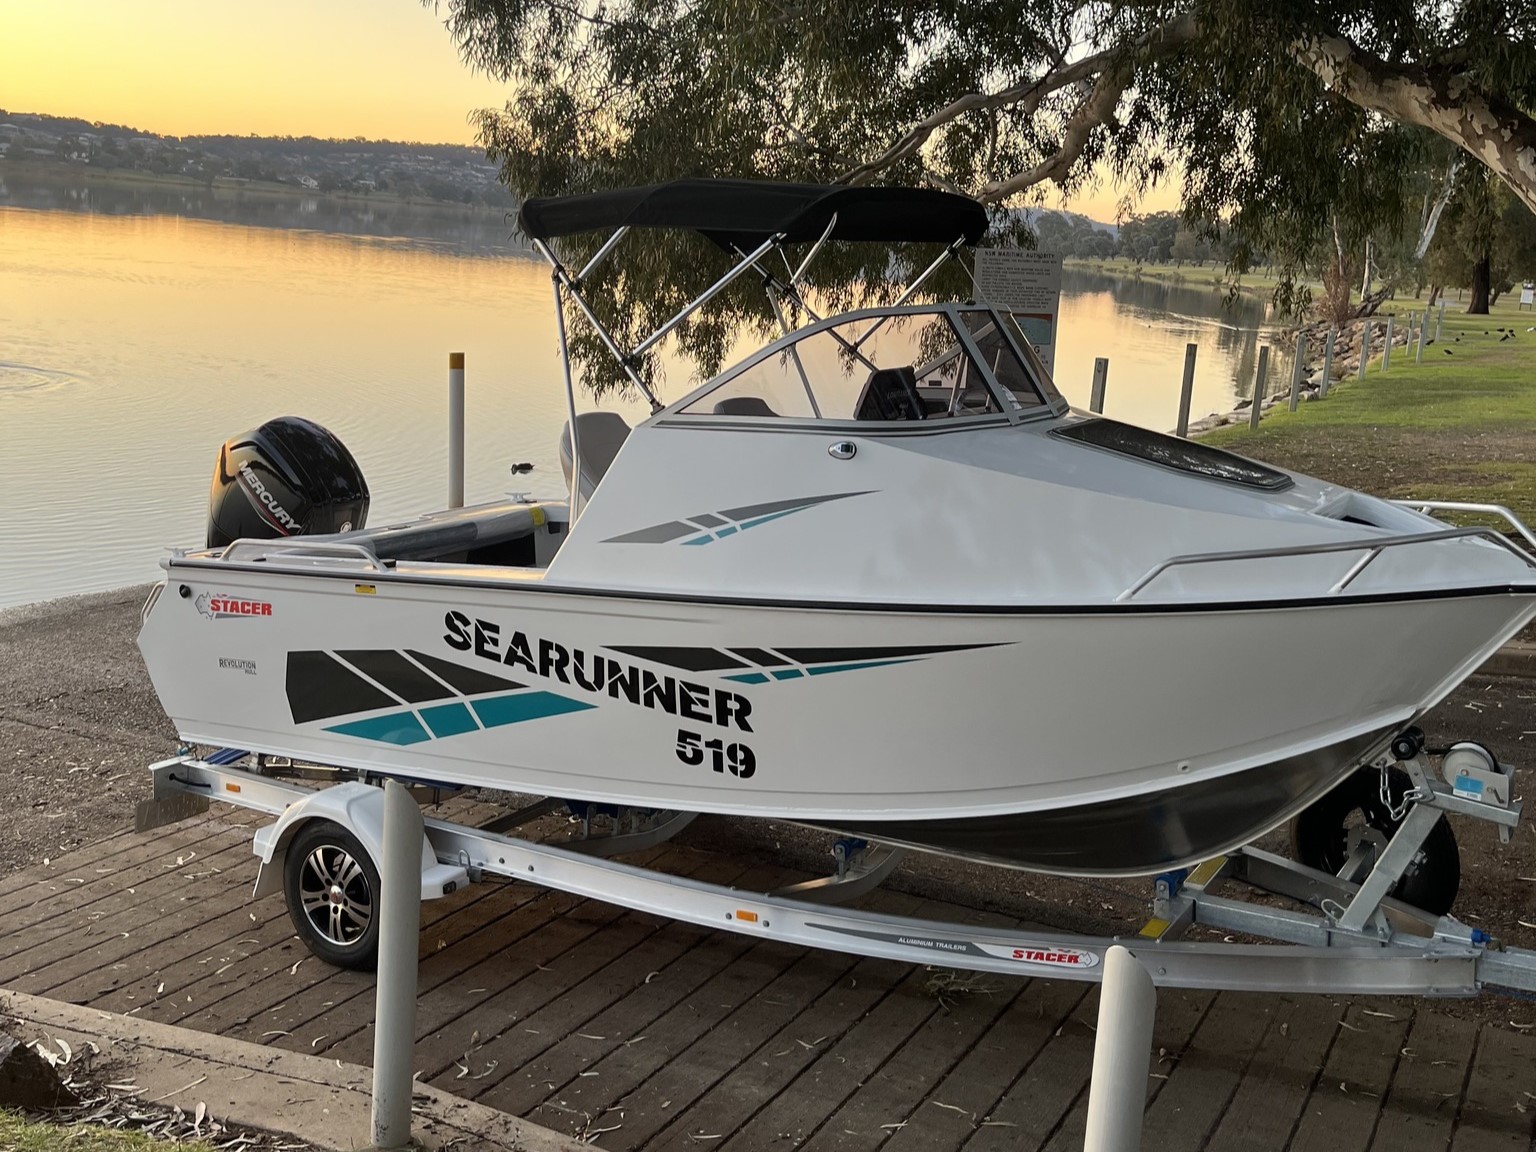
column 901, row 366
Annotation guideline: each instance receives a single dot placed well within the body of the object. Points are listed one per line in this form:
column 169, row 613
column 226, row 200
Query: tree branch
column 1024, row 98
column 1493, row 132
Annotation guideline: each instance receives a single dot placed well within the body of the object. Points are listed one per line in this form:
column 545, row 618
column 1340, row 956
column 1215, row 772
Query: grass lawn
column 18, row 1134
column 1460, row 426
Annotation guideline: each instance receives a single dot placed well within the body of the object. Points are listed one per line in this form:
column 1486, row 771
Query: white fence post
column 455, row 429
column 1122, row 1055
column 399, row 911
column 1297, row 368
column 1386, row 348
column 1100, row 379
column 1365, row 343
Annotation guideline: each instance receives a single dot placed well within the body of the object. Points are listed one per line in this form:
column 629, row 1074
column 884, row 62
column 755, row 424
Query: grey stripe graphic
column 676, row 529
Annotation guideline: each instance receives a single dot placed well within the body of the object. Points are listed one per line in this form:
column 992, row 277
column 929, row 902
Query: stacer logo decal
column 214, row 605
column 1026, row 955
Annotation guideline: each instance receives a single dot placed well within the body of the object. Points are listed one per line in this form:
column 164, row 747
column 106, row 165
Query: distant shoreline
column 63, row 171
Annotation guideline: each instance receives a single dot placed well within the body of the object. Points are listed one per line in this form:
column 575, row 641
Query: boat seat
column 890, row 394
column 744, row 406
column 602, row 435
column 499, row 532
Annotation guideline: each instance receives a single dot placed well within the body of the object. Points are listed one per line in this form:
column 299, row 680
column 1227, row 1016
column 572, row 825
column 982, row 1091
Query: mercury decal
column 266, row 503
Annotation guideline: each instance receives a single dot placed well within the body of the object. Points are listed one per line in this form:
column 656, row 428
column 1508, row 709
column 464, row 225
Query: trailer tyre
column 332, row 888
column 1320, row 839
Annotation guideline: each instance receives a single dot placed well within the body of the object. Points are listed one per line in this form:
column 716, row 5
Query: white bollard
column 455, row 429
column 1122, row 1055
column 1100, row 379
column 399, row 912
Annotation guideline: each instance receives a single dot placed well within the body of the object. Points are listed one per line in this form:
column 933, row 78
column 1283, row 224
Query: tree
column 1286, row 119
column 1486, row 241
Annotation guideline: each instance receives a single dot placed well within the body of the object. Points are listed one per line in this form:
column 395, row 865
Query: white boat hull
column 885, row 721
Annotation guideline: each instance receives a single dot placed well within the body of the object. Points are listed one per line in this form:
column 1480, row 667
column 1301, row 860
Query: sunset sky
column 384, row 69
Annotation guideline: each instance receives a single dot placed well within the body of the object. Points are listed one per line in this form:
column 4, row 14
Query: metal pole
column 1386, row 347
column 1100, row 379
column 1258, row 387
column 394, row 1034
column 1188, row 389
column 1122, row 1055
column 1297, row 368
column 570, row 403
column 1440, row 319
column 455, row 429
column 1365, row 343
column 1322, row 390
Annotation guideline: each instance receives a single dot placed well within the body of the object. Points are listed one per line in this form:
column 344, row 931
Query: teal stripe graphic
column 396, row 728
column 824, row 669
column 448, row 720
column 519, row 706
column 749, row 678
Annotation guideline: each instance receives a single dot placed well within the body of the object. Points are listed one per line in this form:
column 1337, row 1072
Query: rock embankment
column 1345, row 365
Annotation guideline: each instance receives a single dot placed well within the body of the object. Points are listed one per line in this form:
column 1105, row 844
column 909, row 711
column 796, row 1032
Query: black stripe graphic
column 691, row 659
column 470, row 681
column 397, row 674
column 318, row 687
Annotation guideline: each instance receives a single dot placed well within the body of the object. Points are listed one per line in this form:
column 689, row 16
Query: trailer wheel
column 332, row 888
column 1320, row 839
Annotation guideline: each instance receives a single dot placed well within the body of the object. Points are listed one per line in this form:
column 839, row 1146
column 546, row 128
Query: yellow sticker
column 365, row 589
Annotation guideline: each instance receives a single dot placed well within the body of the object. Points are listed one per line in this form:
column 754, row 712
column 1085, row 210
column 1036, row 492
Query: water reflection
column 142, row 326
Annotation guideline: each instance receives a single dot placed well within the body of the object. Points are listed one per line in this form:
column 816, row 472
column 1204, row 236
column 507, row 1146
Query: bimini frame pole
column 564, row 277
column 708, row 294
column 602, row 254
column 570, row 401
column 912, row 288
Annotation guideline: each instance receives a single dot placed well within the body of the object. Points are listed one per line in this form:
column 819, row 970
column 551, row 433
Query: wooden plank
column 1421, row 1104
column 1282, row 1074
column 58, row 905
column 174, row 906
column 884, row 1099
column 637, row 946
column 971, row 1092
column 1179, row 1013
column 628, row 1021
column 1498, row 1108
column 719, row 1083
column 1342, row 1108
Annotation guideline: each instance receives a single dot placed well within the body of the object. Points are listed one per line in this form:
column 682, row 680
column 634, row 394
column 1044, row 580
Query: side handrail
column 1371, row 548
column 299, row 549
column 1462, row 506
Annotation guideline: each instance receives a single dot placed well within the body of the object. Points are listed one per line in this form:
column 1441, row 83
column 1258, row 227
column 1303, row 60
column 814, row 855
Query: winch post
column 1122, row 1055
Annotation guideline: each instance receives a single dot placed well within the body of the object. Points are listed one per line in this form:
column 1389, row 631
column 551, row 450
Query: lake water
column 141, row 327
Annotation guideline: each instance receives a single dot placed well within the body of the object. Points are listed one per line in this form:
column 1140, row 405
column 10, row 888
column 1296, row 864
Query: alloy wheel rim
column 334, row 892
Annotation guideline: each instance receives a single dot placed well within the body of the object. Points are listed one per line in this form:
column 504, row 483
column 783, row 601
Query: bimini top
column 746, row 213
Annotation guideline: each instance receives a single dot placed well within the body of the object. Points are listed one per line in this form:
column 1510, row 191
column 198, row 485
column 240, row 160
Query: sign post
column 1027, row 284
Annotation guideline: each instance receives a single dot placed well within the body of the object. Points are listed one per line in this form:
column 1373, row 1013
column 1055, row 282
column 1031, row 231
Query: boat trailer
column 1347, row 935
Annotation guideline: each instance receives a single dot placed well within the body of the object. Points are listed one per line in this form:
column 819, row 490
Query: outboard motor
column 290, row 477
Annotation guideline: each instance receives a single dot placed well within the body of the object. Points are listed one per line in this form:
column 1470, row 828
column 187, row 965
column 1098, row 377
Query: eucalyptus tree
column 1295, row 123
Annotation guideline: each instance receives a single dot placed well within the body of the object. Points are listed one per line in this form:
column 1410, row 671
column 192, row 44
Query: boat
column 878, row 577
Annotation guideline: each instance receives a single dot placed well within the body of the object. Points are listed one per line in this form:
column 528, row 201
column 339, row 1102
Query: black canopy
column 744, row 213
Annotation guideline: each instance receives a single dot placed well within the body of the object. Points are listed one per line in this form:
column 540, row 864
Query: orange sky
column 384, row 69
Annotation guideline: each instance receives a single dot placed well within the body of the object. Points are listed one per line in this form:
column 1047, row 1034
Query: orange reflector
column 749, row 917
column 231, row 787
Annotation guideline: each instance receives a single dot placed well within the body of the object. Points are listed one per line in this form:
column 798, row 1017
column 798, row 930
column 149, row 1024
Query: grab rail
column 1462, row 506
column 1371, row 548
column 300, row 549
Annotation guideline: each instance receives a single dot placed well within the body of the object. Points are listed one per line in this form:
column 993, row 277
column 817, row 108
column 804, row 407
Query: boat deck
column 642, row 1033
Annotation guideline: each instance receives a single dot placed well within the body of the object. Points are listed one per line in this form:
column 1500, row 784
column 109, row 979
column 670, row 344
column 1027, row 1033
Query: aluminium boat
column 878, row 577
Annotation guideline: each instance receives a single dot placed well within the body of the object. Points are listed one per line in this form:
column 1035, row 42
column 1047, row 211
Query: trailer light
column 231, row 787
column 747, row 917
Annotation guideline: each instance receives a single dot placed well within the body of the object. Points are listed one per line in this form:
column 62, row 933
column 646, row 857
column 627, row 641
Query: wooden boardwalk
column 638, row 1032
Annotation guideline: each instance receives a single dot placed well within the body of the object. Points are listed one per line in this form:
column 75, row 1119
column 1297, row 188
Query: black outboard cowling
column 290, row 477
